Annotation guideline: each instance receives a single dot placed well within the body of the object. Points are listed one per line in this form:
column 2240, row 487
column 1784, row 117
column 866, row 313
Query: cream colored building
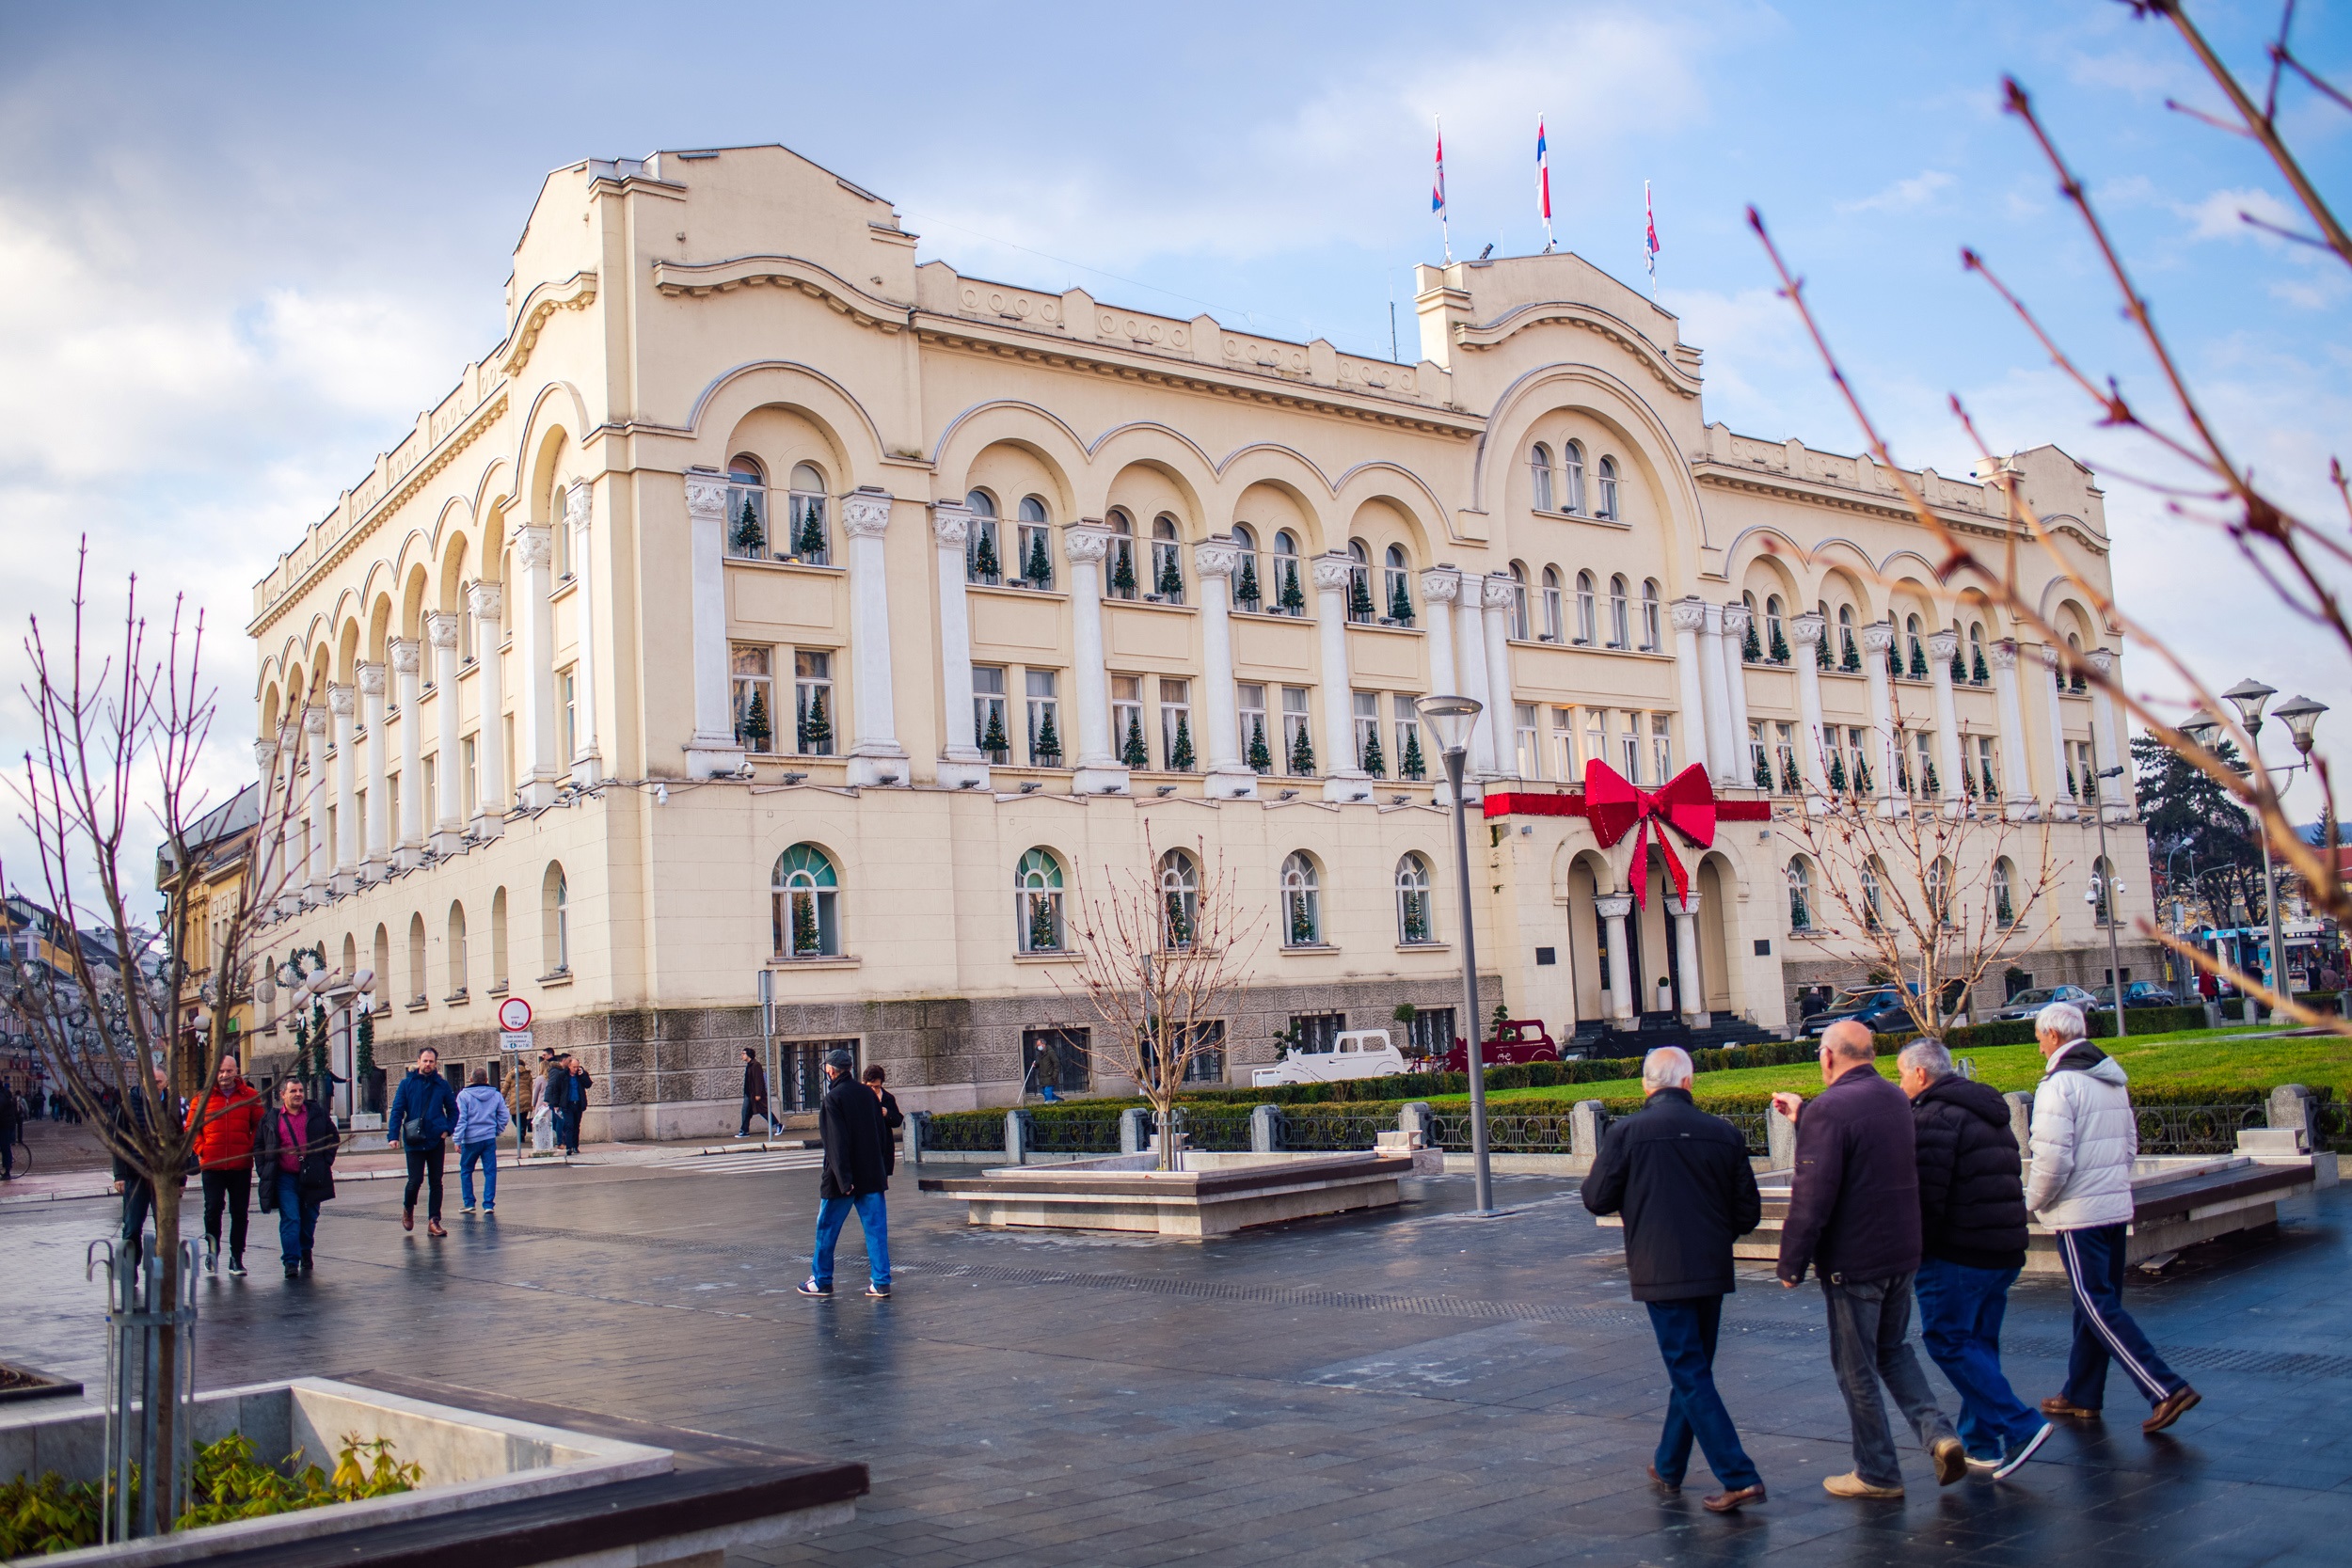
column 739, row 458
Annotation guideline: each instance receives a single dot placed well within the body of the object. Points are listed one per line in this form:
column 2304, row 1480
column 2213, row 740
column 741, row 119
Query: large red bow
column 1614, row 805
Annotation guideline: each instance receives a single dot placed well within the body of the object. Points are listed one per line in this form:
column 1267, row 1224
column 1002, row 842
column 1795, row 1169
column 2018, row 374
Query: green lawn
column 2218, row 1057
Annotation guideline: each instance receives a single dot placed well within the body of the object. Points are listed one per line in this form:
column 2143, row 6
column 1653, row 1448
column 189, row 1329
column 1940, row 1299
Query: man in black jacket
column 755, row 1096
column 1853, row 1218
column 850, row 1120
column 1972, row 1232
column 1681, row 1179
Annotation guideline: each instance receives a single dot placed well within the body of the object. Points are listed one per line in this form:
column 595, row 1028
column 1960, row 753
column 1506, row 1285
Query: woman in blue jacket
column 424, row 1110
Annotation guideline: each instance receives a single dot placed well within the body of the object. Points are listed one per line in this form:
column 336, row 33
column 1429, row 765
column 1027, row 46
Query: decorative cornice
column 1441, row 585
column 1715, row 474
column 1216, row 558
column 1688, row 614
column 372, row 680
column 2004, row 654
column 576, row 292
column 1616, row 330
column 1942, row 645
column 487, row 600
column 866, row 513
column 342, row 700
column 1879, row 636
column 951, row 524
column 1736, row 619
column 534, row 546
column 695, row 279
column 579, row 504
column 405, row 656
column 1332, row 573
column 1808, row 628
column 706, row 495
column 1090, row 540
column 441, row 630
column 1501, row 590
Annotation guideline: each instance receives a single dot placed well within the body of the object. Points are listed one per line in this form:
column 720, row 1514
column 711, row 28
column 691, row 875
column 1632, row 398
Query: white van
column 1355, row 1054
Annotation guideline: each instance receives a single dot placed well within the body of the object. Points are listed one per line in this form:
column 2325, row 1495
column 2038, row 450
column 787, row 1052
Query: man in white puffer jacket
column 2085, row 1138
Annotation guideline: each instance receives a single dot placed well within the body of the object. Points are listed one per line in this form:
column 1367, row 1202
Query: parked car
column 1515, row 1041
column 2147, row 993
column 2027, row 1003
column 1352, row 1053
column 1876, row 1009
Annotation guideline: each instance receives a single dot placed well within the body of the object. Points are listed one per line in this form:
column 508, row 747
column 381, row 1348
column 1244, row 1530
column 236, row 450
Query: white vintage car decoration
column 1352, row 1053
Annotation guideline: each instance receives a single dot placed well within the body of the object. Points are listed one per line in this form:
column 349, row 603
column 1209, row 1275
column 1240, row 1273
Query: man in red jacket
column 232, row 1117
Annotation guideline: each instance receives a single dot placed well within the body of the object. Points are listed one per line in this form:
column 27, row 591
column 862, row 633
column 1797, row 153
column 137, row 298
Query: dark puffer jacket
column 1972, row 1184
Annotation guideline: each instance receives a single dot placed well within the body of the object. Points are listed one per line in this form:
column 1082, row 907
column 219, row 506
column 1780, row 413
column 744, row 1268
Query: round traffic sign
column 514, row 1015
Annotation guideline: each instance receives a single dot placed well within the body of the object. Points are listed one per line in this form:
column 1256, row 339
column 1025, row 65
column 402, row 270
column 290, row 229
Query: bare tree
column 1162, row 948
column 118, row 734
column 2299, row 560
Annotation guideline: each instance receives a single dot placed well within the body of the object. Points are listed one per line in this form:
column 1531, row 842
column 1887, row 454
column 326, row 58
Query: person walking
column 1853, row 1219
column 1972, row 1241
column 11, row 1119
column 224, row 1158
column 2085, row 1139
column 1681, row 1179
column 128, row 1112
column 893, row 1118
column 424, row 1112
column 546, row 1106
column 481, row 1116
column 856, row 1176
column 755, row 1096
column 294, row 1158
column 578, row 1090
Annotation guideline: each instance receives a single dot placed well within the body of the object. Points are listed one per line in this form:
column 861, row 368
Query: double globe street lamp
column 1449, row 719
column 2301, row 717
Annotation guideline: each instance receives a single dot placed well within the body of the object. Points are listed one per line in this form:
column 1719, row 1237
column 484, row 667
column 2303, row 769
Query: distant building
column 219, row 845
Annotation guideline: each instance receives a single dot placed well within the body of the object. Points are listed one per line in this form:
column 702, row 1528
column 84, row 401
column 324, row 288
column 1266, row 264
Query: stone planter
column 506, row 1482
column 1123, row 1192
column 31, row 1382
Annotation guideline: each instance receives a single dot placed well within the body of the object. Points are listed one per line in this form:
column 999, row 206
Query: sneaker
column 1986, row 1464
column 237, row 1264
column 880, row 1292
column 810, row 1287
column 490, row 1208
column 2176, row 1404
column 465, row 1209
column 1951, row 1460
column 294, row 1270
column 740, row 1136
column 306, row 1262
column 1850, row 1484
column 2019, row 1452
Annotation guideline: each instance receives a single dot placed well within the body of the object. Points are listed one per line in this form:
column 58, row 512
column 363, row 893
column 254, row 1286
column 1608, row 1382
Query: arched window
column 1033, row 544
column 1518, row 601
column 1553, row 628
column 1122, row 559
column 1653, row 636
column 1800, row 893
column 804, row 904
column 1870, row 911
column 1399, row 586
column 1539, row 470
column 1302, row 902
column 382, row 961
column 1250, row 587
column 747, row 509
column 1571, row 477
column 1290, row 595
column 1179, row 899
column 555, row 921
column 1775, row 629
column 809, row 538
column 1608, row 472
column 1620, row 635
column 1359, row 605
column 1414, row 925
column 983, row 549
column 1940, row 890
column 1036, row 902
column 1914, row 648
column 1978, row 668
column 1587, row 611
column 498, row 972
column 419, row 987
column 1168, row 562
column 2004, row 891
column 456, row 949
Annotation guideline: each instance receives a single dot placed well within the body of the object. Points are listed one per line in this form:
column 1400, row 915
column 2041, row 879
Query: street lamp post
column 2301, row 716
column 1449, row 719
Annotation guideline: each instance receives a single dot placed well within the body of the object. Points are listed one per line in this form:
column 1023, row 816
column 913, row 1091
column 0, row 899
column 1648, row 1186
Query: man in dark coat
column 1972, row 1233
column 1853, row 1218
column 1681, row 1179
column 423, row 1115
column 893, row 1118
column 856, row 1175
column 294, row 1163
column 755, row 1096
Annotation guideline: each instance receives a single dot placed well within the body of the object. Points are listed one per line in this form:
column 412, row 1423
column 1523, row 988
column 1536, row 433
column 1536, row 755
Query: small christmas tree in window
column 1933, row 786
column 1412, row 766
column 1038, row 569
column 1991, row 793
column 1780, row 645
column 1763, row 773
column 1246, row 585
column 1820, row 650
column 1787, row 775
column 1179, row 750
column 807, row 941
column 1131, row 752
column 809, row 544
column 1752, row 648
column 1171, row 580
column 1862, row 775
column 755, row 726
column 1261, row 759
column 992, row 738
column 1302, row 752
column 1918, row 661
column 1849, row 658
column 1968, row 781
column 1043, row 938
column 749, row 537
column 816, row 729
column 1048, row 741
column 1179, row 928
column 363, row 1047
column 984, row 562
column 1977, row 674
column 1302, row 921
column 1400, row 602
column 1292, row 601
column 1960, row 664
column 1359, row 597
column 1416, row 918
column 1836, row 774
column 2071, row 793
column 1372, row 761
column 1124, row 572
column 1894, row 663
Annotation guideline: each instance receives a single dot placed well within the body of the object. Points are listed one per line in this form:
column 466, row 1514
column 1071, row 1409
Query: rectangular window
column 1056, row 1059
column 469, row 782
column 1369, row 756
column 988, row 712
column 812, row 702
column 1127, row 720
column 431, row 791
column 1178, row 752
column 1530, row 752
column 1595, row 735
column 1120, row 570
column 755, row 697
column 1361, row 608
column 1924, row 769
column 1412, row 762
column 568, row 684
column 1045, row 718
column 1552, row 627
column 1785, row 743
column 1988, row 768
column 1661, row 745
column 1318, row 1034
column 1759, row 768
column 1256, row 748
column 1564, row 744
column 1206, row 1062
column 1431, row 1033
column 1629, row 746
column 1297, row 749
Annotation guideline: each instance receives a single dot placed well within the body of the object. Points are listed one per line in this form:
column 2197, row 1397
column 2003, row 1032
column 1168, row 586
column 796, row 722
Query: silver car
column 2027, row 1003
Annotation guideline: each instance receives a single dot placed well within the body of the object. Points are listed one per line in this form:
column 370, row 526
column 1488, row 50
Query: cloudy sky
column 240, row 245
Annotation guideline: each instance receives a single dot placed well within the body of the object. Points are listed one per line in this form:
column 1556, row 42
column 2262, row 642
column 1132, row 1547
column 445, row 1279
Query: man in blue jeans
column 1681, row 1179
column 856, row 1175
column 481, row 1116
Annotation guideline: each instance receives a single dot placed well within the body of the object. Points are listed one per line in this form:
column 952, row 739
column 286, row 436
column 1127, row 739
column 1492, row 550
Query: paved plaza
column 1419, row 1387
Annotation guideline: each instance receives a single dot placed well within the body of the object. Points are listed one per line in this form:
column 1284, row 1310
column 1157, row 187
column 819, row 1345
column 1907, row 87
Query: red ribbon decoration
column 1614, row 806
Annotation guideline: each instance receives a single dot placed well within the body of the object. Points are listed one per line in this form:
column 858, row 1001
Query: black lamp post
column 1449, row 719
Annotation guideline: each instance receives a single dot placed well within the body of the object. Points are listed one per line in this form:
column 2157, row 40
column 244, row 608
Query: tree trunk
column 161, row 1485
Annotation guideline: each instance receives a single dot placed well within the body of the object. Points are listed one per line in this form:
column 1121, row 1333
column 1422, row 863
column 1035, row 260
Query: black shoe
column 237, row 1264
column 810, row 1287
column 294, row 1270
column 306, row 1262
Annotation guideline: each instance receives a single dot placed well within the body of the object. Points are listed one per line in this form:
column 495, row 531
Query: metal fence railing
column 1751, row 1125
column 1217, row 1131
column 1338, row 1132
column 965, row 1134
column 1074, row 1135
column 2195, row 1128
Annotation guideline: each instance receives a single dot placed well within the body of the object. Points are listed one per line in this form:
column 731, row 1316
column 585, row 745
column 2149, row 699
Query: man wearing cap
column 850, row 1120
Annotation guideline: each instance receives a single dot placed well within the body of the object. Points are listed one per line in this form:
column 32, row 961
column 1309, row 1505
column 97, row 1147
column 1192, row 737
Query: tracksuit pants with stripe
column 2103, row 1330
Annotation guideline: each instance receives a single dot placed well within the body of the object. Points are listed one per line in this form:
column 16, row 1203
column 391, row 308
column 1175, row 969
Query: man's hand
column 1787, row 1105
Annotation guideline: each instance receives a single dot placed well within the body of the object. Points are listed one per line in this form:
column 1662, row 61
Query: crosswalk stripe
column 808, row 1159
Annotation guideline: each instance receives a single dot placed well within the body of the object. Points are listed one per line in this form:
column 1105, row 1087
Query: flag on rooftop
column 1649, row 238
column 1543, row 183
column 1436, row 195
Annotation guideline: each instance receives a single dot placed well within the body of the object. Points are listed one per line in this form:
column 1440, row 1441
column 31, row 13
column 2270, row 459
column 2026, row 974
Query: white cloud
column 2222, row 215
column 1903, row 196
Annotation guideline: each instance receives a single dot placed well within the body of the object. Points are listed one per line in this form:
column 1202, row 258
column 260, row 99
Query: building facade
column 766, row 603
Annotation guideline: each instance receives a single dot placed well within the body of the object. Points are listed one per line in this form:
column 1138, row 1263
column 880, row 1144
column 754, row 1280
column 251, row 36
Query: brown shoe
column 2058, row 1407
column 1850, row 1484
column 1731, row 1502
column 432, row 1227
column 2176, row 1404
column 1951, row 1460
column 409, row 1219
column 1662, row 1483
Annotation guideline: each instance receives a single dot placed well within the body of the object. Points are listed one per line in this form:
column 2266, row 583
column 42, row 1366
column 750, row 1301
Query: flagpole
column 1445, row 220
column 1649, row 240
column 1543, row 183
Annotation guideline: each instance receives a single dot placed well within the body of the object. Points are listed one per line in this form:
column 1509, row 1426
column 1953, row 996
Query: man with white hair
column 1681, row 1179
column 2085, row 1139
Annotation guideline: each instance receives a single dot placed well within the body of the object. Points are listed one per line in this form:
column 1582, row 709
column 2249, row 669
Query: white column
column 537, row 766
column 1698, row 726
column 586, row 761
column 1877, row 638
column 342, row 704
column 1613, row 907
column 379, row 837
column 1500, row 591
column 322, row 853
column 449, row 822
column 491, row 799
column 2062, row 805
column 1438, row 590
column 1728, row 759
column 1735, row 619
column 1807, row 631
column 407, row 660
column 1085, row 546
column 1685, row 912
column 2115, row 796
column 2016, row 783
column 1214, row 560
column 267, row 877
column 293, row 870
column 1951, row 783
column 1470, row 663
column 875, row 756
column 1341, row 779
column 712, row 752
column 961, row 763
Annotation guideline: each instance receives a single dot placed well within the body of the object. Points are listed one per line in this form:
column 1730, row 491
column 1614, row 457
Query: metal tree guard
column 136, row 1317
